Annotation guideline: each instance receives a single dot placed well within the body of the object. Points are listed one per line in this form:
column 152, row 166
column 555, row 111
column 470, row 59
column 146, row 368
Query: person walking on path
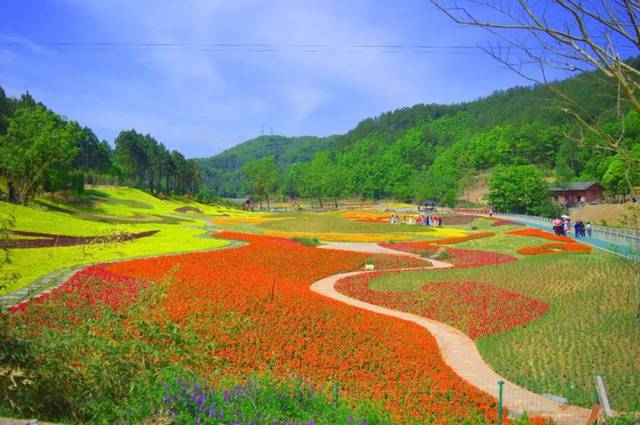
column 579, row 229
column 589, row 229
column 557, row 227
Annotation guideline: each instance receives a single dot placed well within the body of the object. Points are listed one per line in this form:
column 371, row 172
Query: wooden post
column 602, row 396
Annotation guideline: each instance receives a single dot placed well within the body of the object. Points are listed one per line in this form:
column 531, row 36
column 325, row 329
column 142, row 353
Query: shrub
column 307, row 241
column 443, row 254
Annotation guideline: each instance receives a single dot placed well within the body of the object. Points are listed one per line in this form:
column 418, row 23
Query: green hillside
column 221, row 173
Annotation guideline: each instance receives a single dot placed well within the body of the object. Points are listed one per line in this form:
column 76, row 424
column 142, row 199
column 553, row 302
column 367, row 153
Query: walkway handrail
column 624, row 237
column 628, row 238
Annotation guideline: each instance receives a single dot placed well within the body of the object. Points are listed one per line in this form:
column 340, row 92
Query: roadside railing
column 623, row 237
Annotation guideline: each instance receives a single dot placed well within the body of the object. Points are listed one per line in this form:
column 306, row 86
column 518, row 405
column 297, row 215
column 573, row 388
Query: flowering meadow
column 475, row 309
column 236, row 335
column 249, row 310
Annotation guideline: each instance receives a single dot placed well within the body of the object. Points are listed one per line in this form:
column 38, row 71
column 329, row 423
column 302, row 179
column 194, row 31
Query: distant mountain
column 221, row 172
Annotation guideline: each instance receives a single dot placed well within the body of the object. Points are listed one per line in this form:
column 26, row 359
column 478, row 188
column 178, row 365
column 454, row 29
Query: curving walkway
column 458, row 350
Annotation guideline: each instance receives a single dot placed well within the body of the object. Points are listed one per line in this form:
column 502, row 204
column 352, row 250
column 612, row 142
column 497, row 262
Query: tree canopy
column 43, row 151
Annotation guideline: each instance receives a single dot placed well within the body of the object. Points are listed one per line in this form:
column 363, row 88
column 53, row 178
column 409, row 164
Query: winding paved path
column 457, row 349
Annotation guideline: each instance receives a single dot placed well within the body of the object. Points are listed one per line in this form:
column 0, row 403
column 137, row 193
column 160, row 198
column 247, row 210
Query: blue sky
column 202, row 99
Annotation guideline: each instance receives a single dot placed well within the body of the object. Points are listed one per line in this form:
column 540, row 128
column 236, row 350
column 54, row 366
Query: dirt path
column 458, row 350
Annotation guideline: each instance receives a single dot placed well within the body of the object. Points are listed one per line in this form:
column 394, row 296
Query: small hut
column 578, row 193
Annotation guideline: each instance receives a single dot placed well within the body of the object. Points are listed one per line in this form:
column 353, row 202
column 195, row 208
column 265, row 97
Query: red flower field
column 115, row 291
column 253, row 306
column 476, row 309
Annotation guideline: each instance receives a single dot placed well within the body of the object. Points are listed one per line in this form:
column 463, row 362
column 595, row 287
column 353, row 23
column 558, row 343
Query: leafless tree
column 538, row 38
column 533, row 38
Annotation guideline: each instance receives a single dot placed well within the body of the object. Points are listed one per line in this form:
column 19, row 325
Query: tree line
column 438, row 159
column 41, row 151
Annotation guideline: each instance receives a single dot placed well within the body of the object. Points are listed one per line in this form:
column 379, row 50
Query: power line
column 422, row 49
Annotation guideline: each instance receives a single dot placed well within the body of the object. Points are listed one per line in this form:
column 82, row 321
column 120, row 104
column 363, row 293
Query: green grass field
column 501, row 242
column 589, row 329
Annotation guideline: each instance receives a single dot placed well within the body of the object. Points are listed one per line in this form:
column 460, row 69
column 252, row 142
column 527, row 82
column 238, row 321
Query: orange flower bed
column 226, row 295
column 536, row 233
column 561, row 245
column 555, row 248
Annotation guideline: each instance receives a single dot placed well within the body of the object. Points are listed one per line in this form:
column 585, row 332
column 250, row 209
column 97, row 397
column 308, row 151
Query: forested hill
column 223, row 172
column 430, row 150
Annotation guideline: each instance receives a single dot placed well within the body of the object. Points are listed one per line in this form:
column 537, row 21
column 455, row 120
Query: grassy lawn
column 506, row 244
column 125, row 205
column 590, row 327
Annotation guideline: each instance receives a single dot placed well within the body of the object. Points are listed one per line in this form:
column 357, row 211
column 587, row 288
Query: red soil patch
column 476, row 309
column 502, row 222
column 453, row 220
column 461, row 258
column 46, row 240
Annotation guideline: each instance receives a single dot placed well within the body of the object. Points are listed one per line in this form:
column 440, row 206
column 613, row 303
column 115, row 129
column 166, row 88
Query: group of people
column 582, row 230
column 429, row 220
column 424, row 220
column 562, row 226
